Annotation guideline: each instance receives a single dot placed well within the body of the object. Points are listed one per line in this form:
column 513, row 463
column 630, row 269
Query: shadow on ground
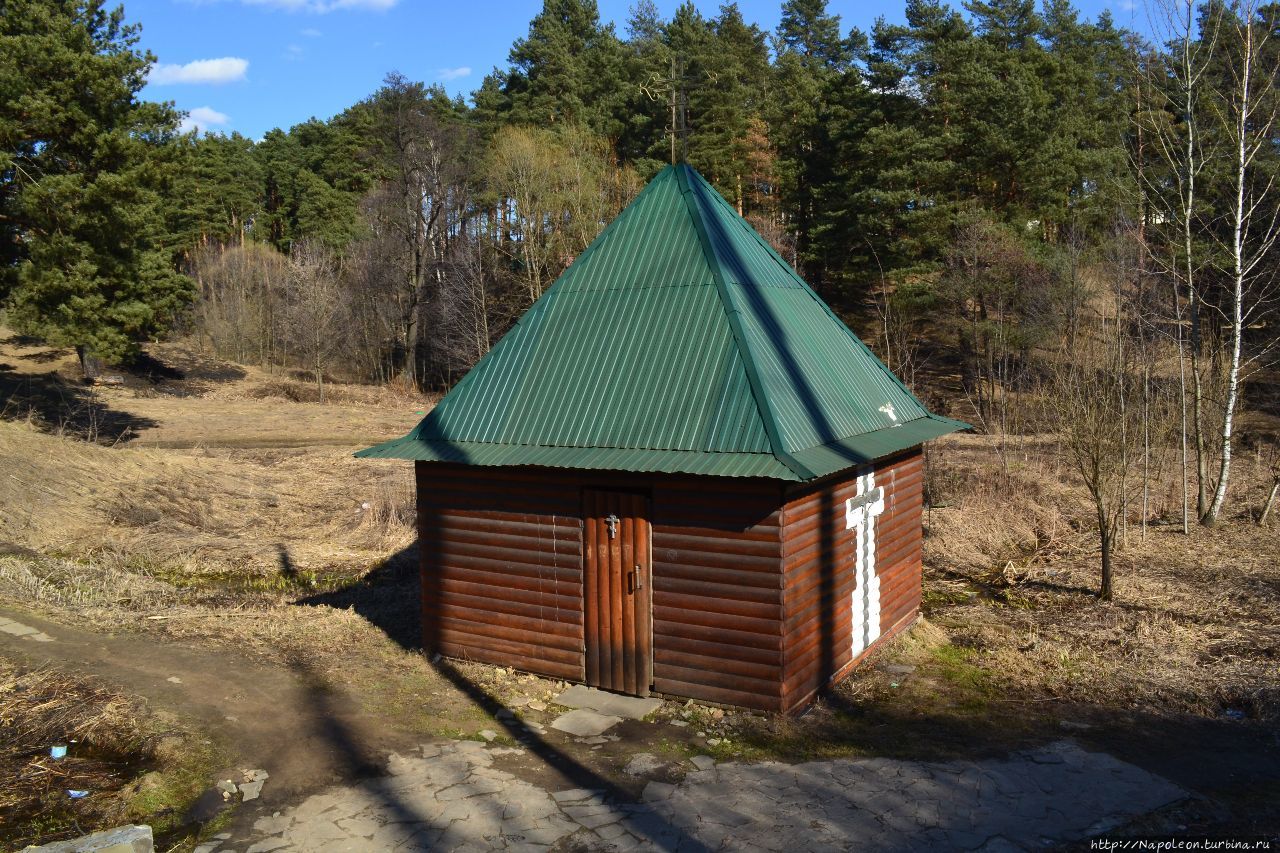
column 182, row 373
column 389, row 597
column 69, row 407
column 1235, row 764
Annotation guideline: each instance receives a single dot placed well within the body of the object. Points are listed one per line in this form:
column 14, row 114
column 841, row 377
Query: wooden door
column 617, row 606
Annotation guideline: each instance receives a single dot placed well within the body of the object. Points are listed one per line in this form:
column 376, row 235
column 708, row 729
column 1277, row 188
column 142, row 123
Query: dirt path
column 307, row 733
column 327, row 785
column 336, row 781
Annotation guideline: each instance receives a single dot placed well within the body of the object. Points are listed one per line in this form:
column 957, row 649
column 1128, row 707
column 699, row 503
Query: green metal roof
column 679, row 341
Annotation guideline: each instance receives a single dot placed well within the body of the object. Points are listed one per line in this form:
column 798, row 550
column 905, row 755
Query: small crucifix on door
column 860, row 514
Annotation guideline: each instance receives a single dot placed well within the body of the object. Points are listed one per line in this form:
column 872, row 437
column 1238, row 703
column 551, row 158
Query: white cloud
column 202, row 118
column 321, row 7
column 454, row 73
column 227, row 69
column 311, row 33
column 293, row 53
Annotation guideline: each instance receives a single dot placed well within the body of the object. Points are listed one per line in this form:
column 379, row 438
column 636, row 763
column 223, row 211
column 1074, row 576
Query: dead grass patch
column 96, row 581
column 1011, row 568
column 130, row 764
column 263, row 511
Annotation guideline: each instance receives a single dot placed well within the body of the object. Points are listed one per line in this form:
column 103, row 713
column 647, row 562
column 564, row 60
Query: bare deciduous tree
column 316, row 308
column 1001, row 300
column 560, row 187
column 1177, row 83
column 1097, row 433
column 240, row 293
column 417, row 206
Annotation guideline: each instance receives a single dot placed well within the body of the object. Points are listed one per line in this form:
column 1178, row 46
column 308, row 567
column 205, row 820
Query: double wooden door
column 618, row 599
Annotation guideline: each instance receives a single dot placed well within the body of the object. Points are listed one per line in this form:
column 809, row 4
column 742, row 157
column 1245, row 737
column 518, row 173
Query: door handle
column 635, row 579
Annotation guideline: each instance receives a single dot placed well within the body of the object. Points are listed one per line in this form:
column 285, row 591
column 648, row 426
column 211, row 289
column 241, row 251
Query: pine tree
column 84, row 261
column 646, row 115
column 811, row 59
column 911, row 146
column 727, row 102
column 213, row 191
column 568, row 70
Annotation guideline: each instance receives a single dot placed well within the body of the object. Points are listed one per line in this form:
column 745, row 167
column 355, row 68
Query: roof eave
column 817, row 462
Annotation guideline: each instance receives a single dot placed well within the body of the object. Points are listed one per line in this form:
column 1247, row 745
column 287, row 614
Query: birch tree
column 1178, row 89
column 1248, row 116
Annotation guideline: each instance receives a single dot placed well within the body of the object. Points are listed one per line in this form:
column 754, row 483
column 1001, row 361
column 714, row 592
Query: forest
column 1042, row 223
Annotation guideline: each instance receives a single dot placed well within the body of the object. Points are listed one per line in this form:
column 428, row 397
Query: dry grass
column 240, row 499
column 43, row 707
column 132, row 764
column 210, row 511
column 94, row 581
column 183, row 398
column 391, row 395
column 1011, row 567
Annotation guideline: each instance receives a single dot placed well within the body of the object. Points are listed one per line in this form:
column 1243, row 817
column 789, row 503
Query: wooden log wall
column 818, row 559
column 717, row 590
column 501, row 552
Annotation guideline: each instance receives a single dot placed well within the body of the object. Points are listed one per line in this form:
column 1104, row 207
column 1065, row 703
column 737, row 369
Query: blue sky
column 251, row 65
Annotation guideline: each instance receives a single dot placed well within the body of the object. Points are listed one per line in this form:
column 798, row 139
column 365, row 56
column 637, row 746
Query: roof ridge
column 731, row 310
column 813, row 294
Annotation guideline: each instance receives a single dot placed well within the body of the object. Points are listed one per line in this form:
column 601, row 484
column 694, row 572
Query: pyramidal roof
column 679, row 341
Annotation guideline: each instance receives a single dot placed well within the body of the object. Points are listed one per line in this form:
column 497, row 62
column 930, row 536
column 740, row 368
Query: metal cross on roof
column 675, row 89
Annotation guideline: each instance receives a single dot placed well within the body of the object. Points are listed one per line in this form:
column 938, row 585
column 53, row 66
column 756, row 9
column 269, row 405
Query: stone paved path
column 26, row 632
column 451, row 797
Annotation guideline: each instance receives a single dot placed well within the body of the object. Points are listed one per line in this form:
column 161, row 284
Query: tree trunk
column 1189, row 77
column 1146, row 446
column 319, row 372
column 1197, row 412
column 1182, row 416
column 1104, row 540
column 1271, row 500
column 1123, row 386
column 1240, row 217
column 90, row 365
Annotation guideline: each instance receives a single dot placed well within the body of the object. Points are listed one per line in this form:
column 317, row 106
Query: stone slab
column 585, row 723
column 1056, row 794
column 122, row 839
column 627, row 707
column 643, row 763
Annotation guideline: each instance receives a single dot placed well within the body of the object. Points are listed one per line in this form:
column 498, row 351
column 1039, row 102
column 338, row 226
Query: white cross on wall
column 860, row 514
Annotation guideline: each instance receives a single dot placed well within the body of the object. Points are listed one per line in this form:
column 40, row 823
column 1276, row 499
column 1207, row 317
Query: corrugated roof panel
column 859, row 449
column 639, row 368
column 479, row 406
column 822, row 384
column 678, row 341
column 743, row 255
column 736, row 421
column 650, row 244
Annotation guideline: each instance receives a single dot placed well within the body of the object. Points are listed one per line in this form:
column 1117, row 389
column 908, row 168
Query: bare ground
column 208, row 518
